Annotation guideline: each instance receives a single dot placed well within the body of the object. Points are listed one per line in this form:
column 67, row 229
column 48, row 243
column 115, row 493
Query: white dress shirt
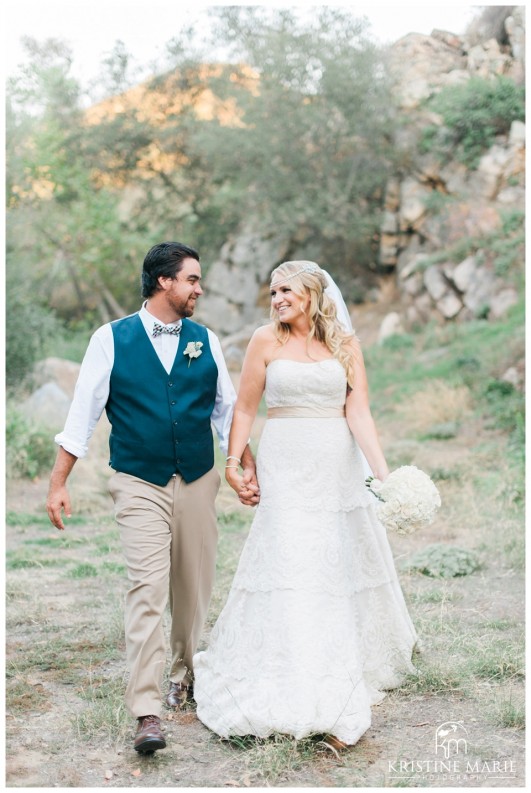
column 92, row 388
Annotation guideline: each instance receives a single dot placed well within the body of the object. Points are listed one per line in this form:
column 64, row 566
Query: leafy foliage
column 444, row 561
column 310, row 152
column 30, row 450
column 506, row 405
column 473, row 114
column 293, row 131
column 29, row 327
column 64, row 229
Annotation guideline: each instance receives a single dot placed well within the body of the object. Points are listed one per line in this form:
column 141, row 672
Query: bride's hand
column 245, row 486
column 250, row 491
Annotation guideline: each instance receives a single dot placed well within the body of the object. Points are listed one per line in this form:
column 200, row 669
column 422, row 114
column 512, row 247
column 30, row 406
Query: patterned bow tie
column 158, row 329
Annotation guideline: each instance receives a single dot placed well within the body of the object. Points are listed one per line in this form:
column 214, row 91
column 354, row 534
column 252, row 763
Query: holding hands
column 245, row 484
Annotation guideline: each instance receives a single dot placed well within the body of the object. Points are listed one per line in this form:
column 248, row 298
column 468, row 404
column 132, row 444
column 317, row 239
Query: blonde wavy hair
column 307, row 278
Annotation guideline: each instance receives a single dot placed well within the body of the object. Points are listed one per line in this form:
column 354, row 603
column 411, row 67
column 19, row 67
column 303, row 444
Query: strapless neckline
column 304, row 363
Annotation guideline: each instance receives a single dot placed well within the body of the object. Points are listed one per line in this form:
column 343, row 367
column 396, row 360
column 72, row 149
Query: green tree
column 117, row 74
column 63, row 225
column 309, row 150
column 274, row 117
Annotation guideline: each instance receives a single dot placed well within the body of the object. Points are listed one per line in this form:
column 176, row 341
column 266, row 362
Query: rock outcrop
column 235, row 283
column 438, row 204
column 427, row 209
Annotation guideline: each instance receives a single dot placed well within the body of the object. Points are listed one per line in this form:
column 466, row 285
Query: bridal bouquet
column 408, row 499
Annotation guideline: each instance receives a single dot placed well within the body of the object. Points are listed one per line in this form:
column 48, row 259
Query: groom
column 162, row 380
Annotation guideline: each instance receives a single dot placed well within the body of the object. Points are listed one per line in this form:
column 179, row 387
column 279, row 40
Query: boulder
column 233, row 283
column 455, row 176
column 470, row 220
column 491, row 170
column 424, row 306
column 486, row 59
column 419, row 62
column 413, row 285
column 513, row 197
column 515, row 375
column 480, row 290
column 503, row 301
column 449, row 305
column 517, row 133
column 435, row 282
column 391, row 325
column 388, row 252
column 389, row 223
column 392, row 195
column 515, row 29
column 47, row 406
column 235, row 345
column 463, row 274
column 410, row 261
column 413, row 197
column 62, row 372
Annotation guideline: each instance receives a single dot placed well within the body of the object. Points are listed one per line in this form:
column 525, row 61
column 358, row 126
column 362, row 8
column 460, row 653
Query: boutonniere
column 193, row 349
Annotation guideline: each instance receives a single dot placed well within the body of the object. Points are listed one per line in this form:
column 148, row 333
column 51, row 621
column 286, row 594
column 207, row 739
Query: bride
column 315, row 627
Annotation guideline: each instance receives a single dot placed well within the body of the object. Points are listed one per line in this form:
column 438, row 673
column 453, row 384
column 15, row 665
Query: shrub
column 444, row 561
column 84, row 570
column 30, row 449
column 28, row 328
column 398, row 341
column 506, row 406
column 512, row 220
column 473, row 114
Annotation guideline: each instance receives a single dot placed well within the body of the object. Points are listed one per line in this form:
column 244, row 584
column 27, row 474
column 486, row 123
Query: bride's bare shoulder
column 263, row 342
column 264, row 334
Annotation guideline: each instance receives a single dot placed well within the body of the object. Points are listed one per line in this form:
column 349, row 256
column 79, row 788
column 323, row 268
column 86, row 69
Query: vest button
column 172, row 403
column 175, row 422
column 170, row 384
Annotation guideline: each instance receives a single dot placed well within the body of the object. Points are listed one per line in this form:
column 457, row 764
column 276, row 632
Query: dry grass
column 437, row 403
column 67, row 663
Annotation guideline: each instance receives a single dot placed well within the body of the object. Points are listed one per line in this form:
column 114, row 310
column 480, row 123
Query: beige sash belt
column 303, row 411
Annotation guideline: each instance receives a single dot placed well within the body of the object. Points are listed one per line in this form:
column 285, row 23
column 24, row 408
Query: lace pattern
column 315, row 627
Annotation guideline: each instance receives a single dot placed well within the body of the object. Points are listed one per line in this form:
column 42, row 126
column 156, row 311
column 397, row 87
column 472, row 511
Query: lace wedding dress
column 315, row 627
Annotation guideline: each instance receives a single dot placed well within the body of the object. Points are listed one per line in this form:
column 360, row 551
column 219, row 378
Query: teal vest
column 160, row 422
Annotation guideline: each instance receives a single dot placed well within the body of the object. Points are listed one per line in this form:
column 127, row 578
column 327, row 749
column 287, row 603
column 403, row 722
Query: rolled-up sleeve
column 225, row 395
column 90, row 395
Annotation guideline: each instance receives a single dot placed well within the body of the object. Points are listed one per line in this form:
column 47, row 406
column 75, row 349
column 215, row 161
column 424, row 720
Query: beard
column 183, row 308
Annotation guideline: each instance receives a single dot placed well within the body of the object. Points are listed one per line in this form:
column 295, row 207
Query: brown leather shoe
column 178, row 695
column 149, row 736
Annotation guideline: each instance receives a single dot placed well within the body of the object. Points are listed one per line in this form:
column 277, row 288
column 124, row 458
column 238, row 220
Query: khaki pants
column 169, row 535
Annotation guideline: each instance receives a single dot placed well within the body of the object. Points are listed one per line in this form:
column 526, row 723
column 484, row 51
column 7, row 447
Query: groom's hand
column 58, row 499
column 249, row 492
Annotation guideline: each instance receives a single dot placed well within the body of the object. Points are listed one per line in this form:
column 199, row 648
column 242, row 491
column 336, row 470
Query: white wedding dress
column 315, row 627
